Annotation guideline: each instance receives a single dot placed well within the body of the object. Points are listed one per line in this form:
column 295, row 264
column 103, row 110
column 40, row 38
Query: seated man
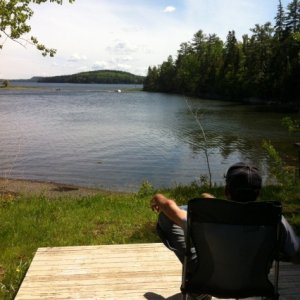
column 243, row 184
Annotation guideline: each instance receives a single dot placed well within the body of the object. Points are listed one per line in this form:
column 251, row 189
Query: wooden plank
column 130, row 295
column 105, row 248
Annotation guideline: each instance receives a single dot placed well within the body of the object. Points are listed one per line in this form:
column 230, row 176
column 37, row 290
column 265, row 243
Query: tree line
column 265, row 65
column 101, row 76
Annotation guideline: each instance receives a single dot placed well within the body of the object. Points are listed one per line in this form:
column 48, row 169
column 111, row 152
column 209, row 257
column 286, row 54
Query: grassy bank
column 29, row 222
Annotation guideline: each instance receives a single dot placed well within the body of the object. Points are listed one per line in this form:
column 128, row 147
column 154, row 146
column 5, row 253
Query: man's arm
column 160, row 203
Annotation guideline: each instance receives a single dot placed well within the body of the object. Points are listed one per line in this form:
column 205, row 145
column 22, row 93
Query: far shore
column 19, row 87
column 22, row 187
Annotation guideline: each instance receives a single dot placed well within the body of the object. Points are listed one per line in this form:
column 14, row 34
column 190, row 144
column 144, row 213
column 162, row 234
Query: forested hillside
column 264, row 66
column 102, row 76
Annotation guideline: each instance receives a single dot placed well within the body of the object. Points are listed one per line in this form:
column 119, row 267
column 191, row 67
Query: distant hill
column 102, row 76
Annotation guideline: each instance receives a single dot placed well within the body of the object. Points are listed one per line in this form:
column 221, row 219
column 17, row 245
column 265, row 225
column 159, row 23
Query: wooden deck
column 136, row 271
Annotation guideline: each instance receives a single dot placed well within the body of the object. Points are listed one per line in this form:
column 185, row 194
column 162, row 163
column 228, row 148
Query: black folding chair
column 236, row 244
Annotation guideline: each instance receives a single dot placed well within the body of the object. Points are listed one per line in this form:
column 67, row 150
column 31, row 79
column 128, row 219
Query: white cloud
column 127, row 58
column 100, row 65
column 169, row 9
column 77, row 57
column 132, row 29
column 83, row 69
column 122, row 67
column 120, row 46
column 118, row 63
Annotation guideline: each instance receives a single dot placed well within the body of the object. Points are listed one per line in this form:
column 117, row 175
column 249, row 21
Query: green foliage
column 265, row 65
column 183, row 193
column 5, row 83
column 151, row 81
column 102, row 76
column 13, row 277
column 287, row 188
column 14, row 19
column 146, row 189
column 284, row 175
column 290, row 124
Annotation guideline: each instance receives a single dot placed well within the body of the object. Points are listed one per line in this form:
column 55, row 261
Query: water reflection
column 235, row 132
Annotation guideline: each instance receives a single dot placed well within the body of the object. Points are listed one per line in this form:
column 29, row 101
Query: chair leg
column 184, row 296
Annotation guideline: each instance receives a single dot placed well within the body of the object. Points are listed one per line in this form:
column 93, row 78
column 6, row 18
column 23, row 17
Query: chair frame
column 278, row 213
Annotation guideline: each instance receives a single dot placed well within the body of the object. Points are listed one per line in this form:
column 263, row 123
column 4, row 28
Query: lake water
column 91, row 135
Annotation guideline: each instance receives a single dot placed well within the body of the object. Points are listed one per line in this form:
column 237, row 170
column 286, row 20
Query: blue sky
column 124, row 35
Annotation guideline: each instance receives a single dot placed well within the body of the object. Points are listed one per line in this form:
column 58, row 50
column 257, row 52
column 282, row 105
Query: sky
column 126, row 35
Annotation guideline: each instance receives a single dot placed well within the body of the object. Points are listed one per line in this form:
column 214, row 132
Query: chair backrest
column 235, row 244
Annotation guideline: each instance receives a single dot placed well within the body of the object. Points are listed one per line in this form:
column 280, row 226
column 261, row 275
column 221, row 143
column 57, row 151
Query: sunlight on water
column 89, row 135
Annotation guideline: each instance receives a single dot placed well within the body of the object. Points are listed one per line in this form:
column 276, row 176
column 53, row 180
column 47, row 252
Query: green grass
column 20, row 87
column 29, row 223
column 133, row 90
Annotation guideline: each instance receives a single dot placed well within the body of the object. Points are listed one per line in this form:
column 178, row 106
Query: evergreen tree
column 151, row 80
column 279, row 21
column 187, row 73
column 292, row 18
column 228, row 84
column 166, row 76
column 199, row 40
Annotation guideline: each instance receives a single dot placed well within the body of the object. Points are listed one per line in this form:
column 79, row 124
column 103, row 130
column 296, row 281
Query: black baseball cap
column 243, row 182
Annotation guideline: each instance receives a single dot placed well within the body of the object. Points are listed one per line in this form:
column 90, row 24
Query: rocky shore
column 16, row 187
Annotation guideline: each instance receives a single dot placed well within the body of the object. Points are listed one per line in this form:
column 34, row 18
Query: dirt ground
column 15, row 187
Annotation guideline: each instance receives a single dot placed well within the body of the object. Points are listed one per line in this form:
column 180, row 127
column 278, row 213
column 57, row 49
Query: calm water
column 91, row 135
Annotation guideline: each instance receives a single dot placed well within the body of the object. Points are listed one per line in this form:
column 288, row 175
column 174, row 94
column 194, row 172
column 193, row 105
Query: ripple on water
column 88, row 136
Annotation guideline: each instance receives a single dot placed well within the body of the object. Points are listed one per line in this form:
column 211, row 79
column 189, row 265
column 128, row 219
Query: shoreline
column 12, row 188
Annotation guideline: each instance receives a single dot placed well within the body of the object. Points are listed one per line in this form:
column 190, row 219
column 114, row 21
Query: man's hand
column 162, row 204
column 157, row 202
